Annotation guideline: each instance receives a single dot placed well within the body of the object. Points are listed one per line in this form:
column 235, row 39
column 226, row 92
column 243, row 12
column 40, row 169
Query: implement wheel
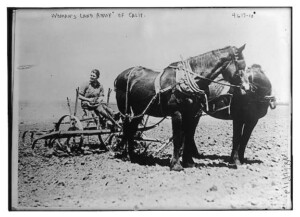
column 68, row 123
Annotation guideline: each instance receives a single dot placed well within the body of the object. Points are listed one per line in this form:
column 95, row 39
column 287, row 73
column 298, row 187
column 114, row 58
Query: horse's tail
column 122, row 89
column 115, row 82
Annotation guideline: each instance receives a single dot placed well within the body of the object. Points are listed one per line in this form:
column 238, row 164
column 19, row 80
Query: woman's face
column 93, row 77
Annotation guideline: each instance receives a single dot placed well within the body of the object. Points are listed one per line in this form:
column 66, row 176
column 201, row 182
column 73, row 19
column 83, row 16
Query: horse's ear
column 241, row 48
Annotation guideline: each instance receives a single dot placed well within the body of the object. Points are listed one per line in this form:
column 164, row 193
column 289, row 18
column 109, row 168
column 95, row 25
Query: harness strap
column 199, row 76
column 157, row 86
column 206, row 102
column 225, row 107
column 157, row 82
column 191, row 81
column 127, row 89
column 158, row 91
column 186, row 68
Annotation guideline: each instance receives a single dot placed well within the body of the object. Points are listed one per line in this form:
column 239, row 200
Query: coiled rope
column 191, row 82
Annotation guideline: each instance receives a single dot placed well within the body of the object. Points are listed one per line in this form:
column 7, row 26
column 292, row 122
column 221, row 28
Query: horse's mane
column 209, row 58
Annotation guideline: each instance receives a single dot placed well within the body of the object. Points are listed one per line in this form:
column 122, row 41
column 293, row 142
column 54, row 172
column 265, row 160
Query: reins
column 191, row 83
column 221, row 109
column 204, row 78
column 126, row 115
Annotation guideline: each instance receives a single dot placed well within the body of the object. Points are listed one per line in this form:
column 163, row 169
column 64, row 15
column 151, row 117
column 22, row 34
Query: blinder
column 239, row 77
column 240, row 66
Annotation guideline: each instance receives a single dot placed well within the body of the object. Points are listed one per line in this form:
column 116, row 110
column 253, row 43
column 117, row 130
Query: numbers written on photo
column 243, row 15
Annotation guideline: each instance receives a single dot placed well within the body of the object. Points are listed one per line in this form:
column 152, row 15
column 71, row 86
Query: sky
column 55, row 50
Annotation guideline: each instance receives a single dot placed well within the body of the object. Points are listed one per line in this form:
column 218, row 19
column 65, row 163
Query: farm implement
column 72, row 133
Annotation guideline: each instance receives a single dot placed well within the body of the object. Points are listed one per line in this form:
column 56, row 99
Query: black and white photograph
column 136, row 108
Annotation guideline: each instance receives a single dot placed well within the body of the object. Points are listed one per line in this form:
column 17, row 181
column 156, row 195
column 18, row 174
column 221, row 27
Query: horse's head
column 259, row 83
column 233, row 68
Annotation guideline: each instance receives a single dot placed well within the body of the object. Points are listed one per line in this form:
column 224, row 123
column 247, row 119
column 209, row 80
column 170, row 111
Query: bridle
column 239, row 73
column 253, row 87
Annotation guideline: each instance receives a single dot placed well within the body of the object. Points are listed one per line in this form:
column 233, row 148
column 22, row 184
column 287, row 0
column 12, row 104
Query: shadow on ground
column 150, row 160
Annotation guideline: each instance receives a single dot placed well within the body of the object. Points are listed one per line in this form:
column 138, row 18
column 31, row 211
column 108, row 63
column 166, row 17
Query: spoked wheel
column 92, row 141
column 68, row 123
column 114, row 141
column 110, row 135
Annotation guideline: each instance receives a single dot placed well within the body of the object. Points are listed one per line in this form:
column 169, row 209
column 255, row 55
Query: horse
column 243, row 109
column 141, row 91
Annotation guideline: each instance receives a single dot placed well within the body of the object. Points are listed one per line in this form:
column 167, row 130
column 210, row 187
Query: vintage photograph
column 151, row 108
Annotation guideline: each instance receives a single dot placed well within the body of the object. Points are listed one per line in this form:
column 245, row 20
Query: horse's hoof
column 235, row 161
column 177, row 167
column 197, row 155
column 238, row 162
column 242, row 160
column 232, row 166
column 188, row 164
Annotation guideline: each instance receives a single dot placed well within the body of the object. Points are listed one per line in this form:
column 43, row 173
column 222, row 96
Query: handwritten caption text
column 97, row 15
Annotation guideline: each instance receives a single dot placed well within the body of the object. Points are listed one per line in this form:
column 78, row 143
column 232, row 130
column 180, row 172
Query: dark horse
column 142, row 91
column 245, row 110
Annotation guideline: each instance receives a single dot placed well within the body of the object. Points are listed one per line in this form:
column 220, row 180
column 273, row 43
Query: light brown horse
column 142, row 91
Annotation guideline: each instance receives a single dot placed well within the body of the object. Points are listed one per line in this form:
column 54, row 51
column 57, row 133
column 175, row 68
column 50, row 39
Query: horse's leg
column 236, row 139
column 193, row 147
column 177, row 141
column 190, row 150
column 131, row 131
column 247, row 131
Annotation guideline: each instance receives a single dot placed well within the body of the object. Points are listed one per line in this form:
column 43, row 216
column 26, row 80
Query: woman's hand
column 99, row 100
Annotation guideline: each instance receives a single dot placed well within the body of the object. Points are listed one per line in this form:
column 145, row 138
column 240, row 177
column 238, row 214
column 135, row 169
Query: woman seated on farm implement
column 91, row 95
